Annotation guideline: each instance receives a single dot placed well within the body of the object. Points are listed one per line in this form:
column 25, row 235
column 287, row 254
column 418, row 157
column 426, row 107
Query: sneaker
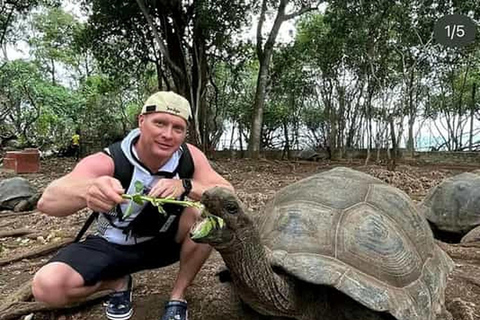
column 119, row 306
column 175, row 310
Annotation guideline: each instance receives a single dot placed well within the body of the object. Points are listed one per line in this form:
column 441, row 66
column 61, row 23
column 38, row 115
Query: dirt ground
column 255, row 182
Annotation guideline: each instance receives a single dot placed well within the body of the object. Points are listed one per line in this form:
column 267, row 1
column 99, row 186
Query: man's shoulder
column 95, row 164
column 193, row 149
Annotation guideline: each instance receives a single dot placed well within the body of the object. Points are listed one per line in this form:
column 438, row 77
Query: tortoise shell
column 453, row 205
column 349, row 230
column 14, row 189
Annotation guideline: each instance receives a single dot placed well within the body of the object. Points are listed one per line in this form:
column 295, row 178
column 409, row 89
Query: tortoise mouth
column 206, row 226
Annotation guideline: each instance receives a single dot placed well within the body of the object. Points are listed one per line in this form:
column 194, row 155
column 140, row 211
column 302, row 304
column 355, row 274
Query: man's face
column 163, row 133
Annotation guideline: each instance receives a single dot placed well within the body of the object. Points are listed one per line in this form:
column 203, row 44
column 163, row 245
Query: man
column 149, row 160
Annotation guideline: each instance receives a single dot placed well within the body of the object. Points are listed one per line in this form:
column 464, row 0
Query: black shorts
column 97, row 259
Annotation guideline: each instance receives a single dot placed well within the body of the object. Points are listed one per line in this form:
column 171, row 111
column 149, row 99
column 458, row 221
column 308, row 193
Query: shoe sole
column 125, row 316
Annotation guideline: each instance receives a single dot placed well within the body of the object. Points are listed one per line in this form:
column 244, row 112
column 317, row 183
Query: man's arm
column 90, row 184
column 204, row 176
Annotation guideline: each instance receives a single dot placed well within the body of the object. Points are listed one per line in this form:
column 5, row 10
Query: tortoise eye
column 231, row 208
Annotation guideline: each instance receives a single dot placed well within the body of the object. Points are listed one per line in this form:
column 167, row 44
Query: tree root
column 37, row 251
column 17, row 309
column 9, row 213
column 6, row 224
column 24, row 293
column 15, row 232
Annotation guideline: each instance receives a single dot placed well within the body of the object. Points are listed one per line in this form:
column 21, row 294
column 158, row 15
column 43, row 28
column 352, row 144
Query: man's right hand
column 104, row 193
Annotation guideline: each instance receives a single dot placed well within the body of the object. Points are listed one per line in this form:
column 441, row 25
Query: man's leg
column 77, row 152
column 77, row 271
column 58, row 284
column 192, row 255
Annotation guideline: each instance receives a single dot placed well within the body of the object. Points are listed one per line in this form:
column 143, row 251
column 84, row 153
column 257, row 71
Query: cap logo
column 150, row 108
column 174, row 110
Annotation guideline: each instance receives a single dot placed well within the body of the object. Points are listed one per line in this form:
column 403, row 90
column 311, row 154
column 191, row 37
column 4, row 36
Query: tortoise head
column 222, row 218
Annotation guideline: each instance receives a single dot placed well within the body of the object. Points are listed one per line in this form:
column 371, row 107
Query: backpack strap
column 186, row 167
column 86, row 225
column 123, row 171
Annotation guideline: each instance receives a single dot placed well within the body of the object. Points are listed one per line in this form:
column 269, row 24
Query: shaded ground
column 255, row 182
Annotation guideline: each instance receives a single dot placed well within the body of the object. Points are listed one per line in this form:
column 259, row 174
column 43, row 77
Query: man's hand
column 167, row 188
column 104, row 193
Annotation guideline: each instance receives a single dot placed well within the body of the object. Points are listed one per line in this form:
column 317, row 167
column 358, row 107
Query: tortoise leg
column 22, row 205
column 224, row 304
column 32, row 201
column 27, row 204
column 345, row 308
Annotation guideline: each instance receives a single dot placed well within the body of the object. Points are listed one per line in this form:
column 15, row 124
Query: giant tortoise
column 17, row 194
column 454, row 204
column 339, row 245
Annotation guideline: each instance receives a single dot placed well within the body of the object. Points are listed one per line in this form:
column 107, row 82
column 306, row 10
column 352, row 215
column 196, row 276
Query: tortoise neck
column 256, row 282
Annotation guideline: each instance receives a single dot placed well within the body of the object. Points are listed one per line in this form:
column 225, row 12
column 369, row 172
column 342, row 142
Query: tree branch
column 300, row 12
column 6, row 26
column 15, row 232
column 19, row 308
column 159, row 40
column 37, row 251
column 276, row 25
column 261, row 20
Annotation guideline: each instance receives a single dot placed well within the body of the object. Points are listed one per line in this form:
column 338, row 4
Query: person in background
column 153, row 160
column 75, row 144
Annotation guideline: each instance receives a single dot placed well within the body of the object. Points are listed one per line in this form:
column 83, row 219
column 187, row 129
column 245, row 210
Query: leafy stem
column 157, row 202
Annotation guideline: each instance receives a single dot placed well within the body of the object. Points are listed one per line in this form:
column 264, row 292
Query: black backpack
column 149, row 220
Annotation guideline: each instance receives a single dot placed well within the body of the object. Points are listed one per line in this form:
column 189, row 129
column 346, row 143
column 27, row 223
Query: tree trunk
column 472, row 114
column 231, row 136
column 159, row 74
column 264, row 54
column 199, row 84
column 411, row 114
column 240, row 137
column 393, row 161
column 53, row 71
column 286, row 149
column 368, row 117
column 257, row 121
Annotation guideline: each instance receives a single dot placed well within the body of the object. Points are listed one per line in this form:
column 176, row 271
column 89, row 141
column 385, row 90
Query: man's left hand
column 167, row 188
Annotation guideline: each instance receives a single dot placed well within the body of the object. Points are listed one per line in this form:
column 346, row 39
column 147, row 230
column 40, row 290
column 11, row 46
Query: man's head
column 163, row 123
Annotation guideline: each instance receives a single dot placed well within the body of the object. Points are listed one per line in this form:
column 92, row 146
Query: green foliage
column 53, row 38
column 140, row 199
column 12, row 11
column 32, row 104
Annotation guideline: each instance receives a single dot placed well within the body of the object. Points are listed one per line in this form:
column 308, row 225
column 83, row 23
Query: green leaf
column 138, row 187
column 161, row 210
column 129, row 210
column 137, row 198
column 157, row 202
column 202, row 229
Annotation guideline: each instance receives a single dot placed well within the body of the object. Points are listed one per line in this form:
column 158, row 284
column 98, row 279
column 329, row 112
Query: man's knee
column 53, row 283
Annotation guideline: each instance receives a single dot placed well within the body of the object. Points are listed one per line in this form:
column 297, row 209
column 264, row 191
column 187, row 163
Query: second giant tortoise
column 17, row 194
column 338, row 245
column 454, row 204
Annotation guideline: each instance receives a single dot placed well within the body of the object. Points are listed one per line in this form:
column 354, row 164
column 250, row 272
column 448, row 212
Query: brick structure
column 25, row 161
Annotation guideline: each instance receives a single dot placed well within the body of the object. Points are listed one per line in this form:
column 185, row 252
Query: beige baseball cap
column 169, row 102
